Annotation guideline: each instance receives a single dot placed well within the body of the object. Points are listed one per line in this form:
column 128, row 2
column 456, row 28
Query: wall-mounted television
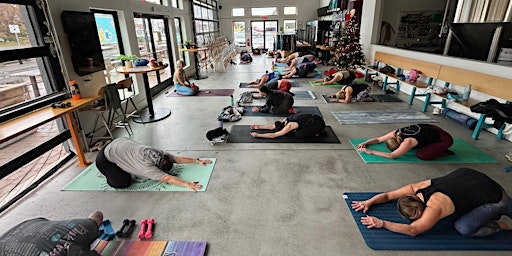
column 83, row 38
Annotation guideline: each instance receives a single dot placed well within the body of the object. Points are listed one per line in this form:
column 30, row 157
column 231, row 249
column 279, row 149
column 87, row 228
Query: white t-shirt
column 137, row 159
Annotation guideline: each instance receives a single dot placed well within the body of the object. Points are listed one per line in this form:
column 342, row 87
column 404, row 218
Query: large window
column 111, row 44
column 239, row 33
column 206, row 21
column 30, row 77
column 238, row 12
column 179, row 38
column 264, row 11
column 290, row 26
column 290, row 10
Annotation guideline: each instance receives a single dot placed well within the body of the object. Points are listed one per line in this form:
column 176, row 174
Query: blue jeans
column 481, row 221
column 274, row 82
column 183, row 90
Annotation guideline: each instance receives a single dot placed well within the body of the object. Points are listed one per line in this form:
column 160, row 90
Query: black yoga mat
column 299, row 109
column 376, row 97
column 241, row 134
column 244, row 85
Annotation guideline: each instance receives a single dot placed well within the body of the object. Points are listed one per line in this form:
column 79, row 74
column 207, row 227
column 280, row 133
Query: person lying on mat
column 288, row 58
column 304, row 69
column 181, row 82
column 124, row 157
column 479, row 204
column 340, row 77
column 41, row 236
column 352, row 92
column 302, row 125
column 267, row 78
column 431, row 141
column 277, row 101
column 294, row 62
column 280, row 85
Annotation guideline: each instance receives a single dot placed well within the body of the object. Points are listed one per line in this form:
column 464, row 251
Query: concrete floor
column 262, row 199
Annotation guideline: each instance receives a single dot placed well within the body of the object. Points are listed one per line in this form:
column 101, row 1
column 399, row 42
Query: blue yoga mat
column 299, row 109
column 441, row 237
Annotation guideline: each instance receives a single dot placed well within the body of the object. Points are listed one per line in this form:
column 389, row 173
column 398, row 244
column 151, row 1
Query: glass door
column 153, row 39
column 270, row 34
column 263, row 34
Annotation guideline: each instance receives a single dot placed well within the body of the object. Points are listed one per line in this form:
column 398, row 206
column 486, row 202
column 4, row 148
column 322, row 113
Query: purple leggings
column 437, row 149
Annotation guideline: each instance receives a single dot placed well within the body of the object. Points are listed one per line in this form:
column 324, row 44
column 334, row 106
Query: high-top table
column 196, row 59
column 149, row 114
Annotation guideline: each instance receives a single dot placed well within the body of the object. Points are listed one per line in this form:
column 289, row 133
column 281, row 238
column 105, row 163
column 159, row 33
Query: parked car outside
column 240, row 39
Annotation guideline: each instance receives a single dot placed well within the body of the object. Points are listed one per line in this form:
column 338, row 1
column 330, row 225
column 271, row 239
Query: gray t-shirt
column 43, row 237
column 137, row 159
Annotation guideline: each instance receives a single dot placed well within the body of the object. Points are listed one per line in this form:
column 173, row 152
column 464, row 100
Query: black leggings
column 116, row 177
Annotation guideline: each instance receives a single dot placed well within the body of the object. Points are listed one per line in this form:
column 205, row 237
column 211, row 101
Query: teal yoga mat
column 381, row 117
column 464, row 153
column 441, row 237
column 92, row 179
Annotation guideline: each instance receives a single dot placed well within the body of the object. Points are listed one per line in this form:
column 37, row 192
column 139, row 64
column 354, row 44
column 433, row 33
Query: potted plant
column 127, row 60
column 188, row 43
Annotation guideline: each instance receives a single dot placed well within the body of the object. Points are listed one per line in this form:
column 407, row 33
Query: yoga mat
column 149, row 248
column 244, row 85
column 91, row 179
column 376, row 97
column 280, row 64
column 313, row 83
column 304, row 95
column 441, row 237
column 299, row 109
column 315, row 74
column 381, row 117
column 205, row 92
column 464, row 153
column 241, row 134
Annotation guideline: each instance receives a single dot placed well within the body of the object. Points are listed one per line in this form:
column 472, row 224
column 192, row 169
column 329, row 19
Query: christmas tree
column 348, row 51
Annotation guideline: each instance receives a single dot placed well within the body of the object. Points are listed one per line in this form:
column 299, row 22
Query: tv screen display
column 83, row 38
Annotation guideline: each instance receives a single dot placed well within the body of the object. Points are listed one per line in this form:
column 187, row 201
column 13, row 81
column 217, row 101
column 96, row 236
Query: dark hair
column 264, row 89
column 165, row 163
column 278, row 125
column 410, row 207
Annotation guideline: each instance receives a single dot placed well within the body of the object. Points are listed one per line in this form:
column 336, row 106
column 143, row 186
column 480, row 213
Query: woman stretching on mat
column 340, row 77
column 431, row 141
column 304, row 69
column 277, row 101
column 480, row 205
column 123, row 157
column 293, row 63
column 267, row 78
column 302, row 125
column 181, row 82
column 360, row 93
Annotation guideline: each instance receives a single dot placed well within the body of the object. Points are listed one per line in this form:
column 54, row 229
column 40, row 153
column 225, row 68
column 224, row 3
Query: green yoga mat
column 464, row 153
column 92, row 179
column 314, row 83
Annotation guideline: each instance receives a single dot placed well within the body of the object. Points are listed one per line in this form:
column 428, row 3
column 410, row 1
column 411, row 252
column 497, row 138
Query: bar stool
column 126, row 85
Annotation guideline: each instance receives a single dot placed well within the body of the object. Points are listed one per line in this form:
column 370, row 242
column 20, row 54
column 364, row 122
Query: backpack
column 387, row 70
column 217, row 135
column 414, row 74
column 245, row 97
column 231, row 114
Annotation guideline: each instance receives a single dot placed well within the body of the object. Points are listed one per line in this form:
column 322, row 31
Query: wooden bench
column 427, row 69
column 483, row 83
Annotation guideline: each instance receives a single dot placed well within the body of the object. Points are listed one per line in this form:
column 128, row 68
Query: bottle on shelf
column 74, row 90
column 467, row 91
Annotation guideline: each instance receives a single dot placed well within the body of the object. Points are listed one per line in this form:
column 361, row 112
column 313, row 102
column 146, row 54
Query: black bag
column 499, row 112
column 218, row 132
column 387, row 70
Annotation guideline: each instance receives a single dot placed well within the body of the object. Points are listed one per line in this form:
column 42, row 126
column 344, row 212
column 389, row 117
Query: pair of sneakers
column 509, row 156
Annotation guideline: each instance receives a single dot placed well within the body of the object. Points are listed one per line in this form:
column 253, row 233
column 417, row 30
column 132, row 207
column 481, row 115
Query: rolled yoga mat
column 462, row 119
column 441, row 237
column 241, row 134
column 464, row 153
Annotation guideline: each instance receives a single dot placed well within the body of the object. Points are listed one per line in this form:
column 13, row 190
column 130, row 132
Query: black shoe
column 449, row 152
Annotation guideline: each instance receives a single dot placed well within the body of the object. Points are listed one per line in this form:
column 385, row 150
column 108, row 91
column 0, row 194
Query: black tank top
column 425, row 134
column 302, row 119
column 357, row 88
column 467, row 188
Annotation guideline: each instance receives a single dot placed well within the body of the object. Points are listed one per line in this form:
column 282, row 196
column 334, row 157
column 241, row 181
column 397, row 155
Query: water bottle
column 273, row 64
column 467, row 91
column 74, row 90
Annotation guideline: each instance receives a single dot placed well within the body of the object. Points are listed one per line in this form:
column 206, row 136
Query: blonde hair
column 341, row 93
column 180, row 62
column 394, row 142
column 410, row 207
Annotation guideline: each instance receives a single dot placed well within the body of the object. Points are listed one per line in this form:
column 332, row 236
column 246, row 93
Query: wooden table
column 27, row 122
column 196, row 59
column 149, row 114
column 326, row 52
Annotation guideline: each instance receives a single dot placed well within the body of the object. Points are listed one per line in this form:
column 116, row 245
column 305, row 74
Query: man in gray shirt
column 124, row 157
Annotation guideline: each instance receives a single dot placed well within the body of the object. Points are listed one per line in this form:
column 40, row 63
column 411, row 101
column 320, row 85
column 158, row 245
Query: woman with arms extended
column 302, row 125
column 431, row 141
column 479, row 204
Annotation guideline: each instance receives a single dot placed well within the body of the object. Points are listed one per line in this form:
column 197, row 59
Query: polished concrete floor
column 262, row 199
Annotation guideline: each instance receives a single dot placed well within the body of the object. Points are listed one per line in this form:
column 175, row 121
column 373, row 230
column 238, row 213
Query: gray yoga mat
column 381, row 117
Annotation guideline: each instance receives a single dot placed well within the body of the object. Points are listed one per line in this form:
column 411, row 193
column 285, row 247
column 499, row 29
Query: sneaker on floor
column 509, row 156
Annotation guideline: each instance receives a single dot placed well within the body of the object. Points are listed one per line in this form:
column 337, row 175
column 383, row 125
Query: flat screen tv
column 83, row 38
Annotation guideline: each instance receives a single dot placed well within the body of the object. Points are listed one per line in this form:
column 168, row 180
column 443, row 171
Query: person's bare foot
column 97, row 216
column 505, row 222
